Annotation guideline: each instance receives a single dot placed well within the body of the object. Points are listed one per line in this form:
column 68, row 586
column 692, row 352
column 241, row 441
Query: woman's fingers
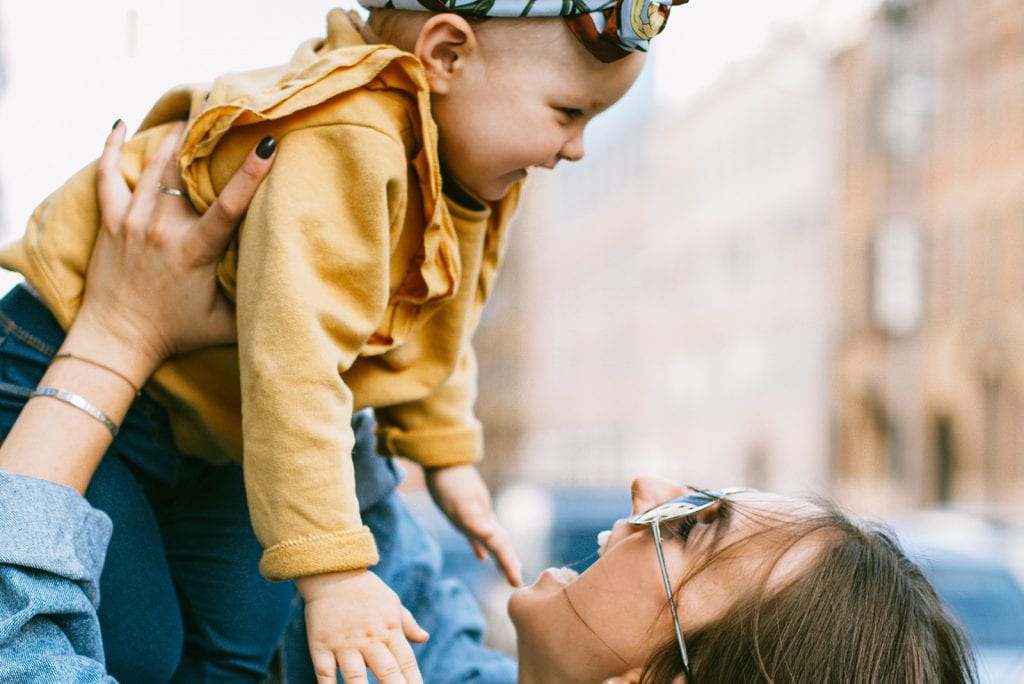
column 219, row 222
column 144, row 199
column 112, row 191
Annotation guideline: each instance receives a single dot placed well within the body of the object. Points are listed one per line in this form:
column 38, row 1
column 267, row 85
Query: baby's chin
column 496, row 190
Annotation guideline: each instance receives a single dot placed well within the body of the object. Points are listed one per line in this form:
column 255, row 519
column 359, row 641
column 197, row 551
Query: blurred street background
column 792, row 259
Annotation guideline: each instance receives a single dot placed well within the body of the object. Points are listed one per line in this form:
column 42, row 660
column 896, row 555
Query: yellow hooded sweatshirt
column 357, row 284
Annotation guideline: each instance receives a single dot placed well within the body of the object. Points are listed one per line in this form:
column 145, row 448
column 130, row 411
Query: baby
column 360, row 270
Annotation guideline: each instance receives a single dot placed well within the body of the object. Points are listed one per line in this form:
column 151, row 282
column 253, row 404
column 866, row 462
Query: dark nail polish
column 115, row 124
column 266, row 148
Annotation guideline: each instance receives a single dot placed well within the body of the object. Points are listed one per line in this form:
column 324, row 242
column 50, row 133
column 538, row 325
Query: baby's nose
column 573, row 149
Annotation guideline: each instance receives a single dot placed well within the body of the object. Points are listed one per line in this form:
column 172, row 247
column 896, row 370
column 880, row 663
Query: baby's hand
column 460, row 492
column 354, row 621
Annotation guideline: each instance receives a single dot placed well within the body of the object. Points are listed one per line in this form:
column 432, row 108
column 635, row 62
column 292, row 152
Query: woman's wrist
column 87, row 401
column 113, row 344
column 87, row 390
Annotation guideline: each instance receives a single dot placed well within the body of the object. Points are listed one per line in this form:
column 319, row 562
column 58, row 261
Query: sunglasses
column 676, row 509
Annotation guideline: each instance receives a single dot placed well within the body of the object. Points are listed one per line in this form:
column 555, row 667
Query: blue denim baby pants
column 181, row 598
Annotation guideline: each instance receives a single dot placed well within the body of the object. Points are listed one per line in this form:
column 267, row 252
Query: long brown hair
column 861, row 613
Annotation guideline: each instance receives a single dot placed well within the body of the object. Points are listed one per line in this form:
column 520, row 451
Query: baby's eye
column 571, row 113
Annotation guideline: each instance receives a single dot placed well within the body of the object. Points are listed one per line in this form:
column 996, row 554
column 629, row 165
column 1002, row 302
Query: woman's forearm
column 52, row 439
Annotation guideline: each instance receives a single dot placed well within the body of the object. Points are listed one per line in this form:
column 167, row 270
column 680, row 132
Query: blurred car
column 963, row 555
column 989, row 602
column 578, row 516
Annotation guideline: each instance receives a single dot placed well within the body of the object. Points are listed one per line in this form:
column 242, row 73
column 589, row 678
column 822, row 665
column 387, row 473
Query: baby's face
column 523, row 103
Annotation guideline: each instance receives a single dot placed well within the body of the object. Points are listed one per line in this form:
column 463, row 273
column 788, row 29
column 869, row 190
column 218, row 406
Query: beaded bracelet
column 79, row 402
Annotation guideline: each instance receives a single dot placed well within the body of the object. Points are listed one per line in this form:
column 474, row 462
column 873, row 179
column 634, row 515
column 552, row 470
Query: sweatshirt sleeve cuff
column 319, row 554
column 434, row 448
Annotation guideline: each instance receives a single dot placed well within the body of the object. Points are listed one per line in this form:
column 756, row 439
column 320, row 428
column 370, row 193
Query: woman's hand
column 151, row 285
column 150, row 293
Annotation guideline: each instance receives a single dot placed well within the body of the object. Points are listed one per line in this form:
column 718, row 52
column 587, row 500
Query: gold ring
column 168, row 190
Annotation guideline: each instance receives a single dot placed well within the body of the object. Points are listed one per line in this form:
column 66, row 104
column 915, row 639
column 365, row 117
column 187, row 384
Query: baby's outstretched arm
column 354, row 621
column 461, row 493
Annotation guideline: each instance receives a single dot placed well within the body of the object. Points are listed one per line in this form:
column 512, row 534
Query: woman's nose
column 648, row 492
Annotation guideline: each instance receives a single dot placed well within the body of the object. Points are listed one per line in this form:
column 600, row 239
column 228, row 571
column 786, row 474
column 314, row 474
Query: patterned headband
column 610, row 29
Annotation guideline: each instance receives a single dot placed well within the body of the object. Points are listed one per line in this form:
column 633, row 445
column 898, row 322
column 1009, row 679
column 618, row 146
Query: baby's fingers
column 391, row 667
column 412, row 629
column 476, row 519
column 505, row 556
column 353, row 669
column 325, row 667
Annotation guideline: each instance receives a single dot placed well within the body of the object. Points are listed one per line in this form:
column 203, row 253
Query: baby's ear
column 445, row 45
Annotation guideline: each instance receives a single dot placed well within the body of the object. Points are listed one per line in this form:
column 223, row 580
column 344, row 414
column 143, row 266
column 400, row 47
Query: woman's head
column 768, row 588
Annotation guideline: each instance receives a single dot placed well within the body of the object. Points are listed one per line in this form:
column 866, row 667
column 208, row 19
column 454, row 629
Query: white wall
column 73, row 68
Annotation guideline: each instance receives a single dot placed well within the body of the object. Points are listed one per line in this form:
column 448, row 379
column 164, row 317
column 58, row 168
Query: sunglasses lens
column 677, row 508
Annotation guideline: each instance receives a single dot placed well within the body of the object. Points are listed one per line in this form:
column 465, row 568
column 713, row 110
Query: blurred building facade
column 930, row 364
column 744, row 244
column 809, row 278
column 672, row 310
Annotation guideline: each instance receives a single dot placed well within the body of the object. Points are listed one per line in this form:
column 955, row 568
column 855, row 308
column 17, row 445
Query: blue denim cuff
column 50, row 527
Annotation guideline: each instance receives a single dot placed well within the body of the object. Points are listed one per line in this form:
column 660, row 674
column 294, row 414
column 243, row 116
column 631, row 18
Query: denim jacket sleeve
column 52, row 547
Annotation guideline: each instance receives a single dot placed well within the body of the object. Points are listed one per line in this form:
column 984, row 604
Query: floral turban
column 610, row 29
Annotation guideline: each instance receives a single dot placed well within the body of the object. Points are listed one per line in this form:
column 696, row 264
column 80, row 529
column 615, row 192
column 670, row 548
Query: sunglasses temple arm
column 656, row 528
